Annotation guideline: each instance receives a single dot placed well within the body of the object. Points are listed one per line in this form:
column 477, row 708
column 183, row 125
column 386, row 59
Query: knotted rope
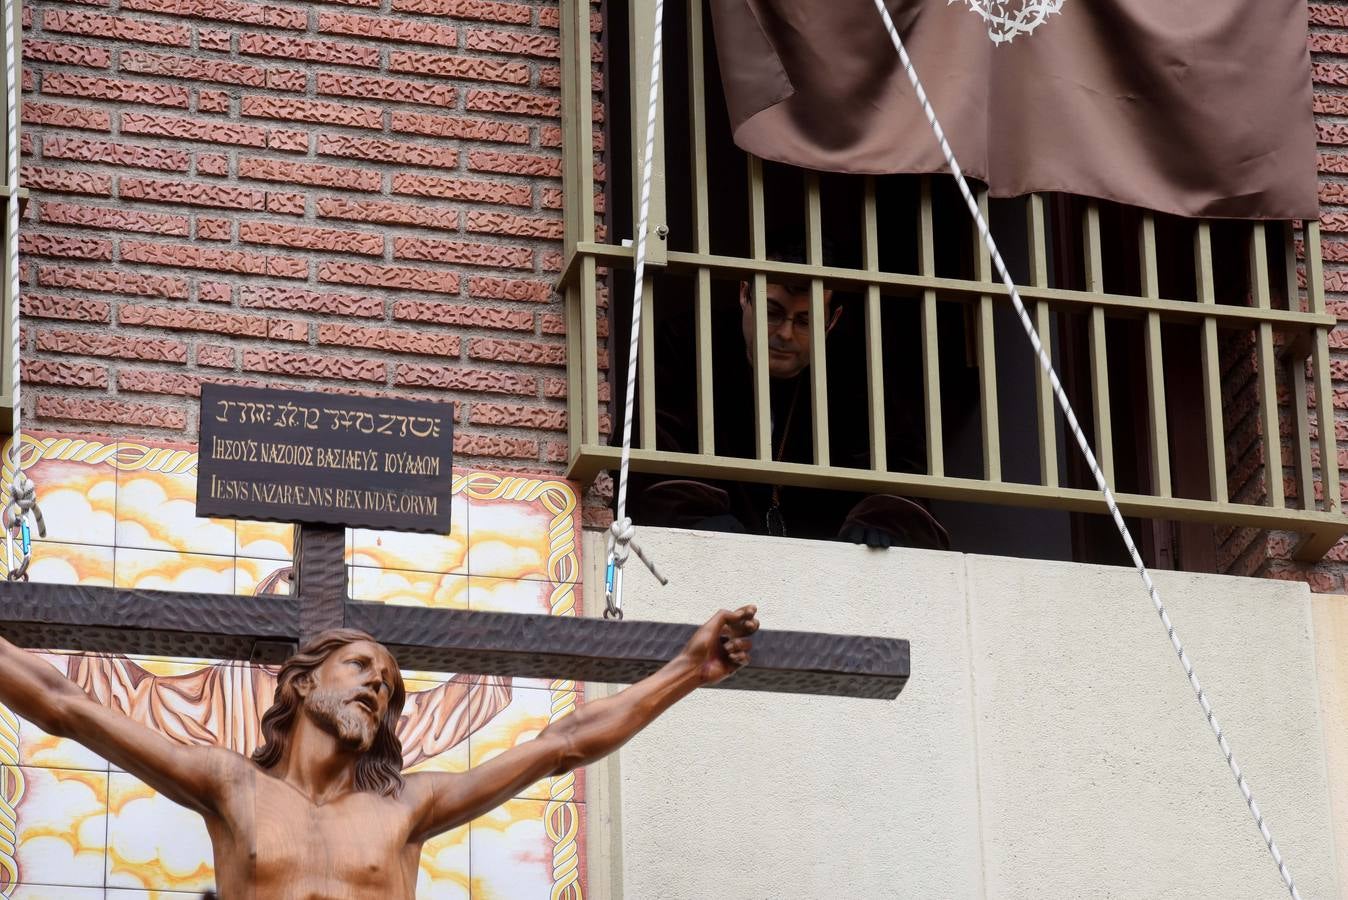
column 1046, row 363
column 621, row 532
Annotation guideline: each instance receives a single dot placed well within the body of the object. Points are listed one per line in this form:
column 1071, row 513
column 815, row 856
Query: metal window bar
column 1293, row 338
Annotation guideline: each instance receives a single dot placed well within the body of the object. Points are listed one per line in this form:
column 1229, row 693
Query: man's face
column 350, row 693
column 788, row 315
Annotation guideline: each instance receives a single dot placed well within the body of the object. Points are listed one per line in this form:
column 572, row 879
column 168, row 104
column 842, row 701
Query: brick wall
column 1270, row 554
column 357, row 195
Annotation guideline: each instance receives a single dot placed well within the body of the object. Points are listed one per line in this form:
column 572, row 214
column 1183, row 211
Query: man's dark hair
column 790, row 247
column 379, row 769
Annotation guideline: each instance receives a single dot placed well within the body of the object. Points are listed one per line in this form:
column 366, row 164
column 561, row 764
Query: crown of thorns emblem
column 1008, row 19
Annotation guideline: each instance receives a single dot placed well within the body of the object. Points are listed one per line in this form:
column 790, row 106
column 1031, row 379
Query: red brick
column 463, row 189
column 425, row 215
column 1330, row 133
column 113, row 219
column 212, row 101
column 1329, row 73
column 500, row 350
column 464, row 316
column 455, row 378
column 459, row 127
column 515, row 163
column 513, row 13
column 326, row 304
column 455, row 66
column 509, row 289
column 64, row 54
column 372, row 275
column 214, row 229
column 1330, row 104
column 115, row 27
column 221, row 71
column 516, row 102
column 71, row 309
column 464, row 253
column 100, row 343
column 225, row 11
column 212, row 164
column 214, row 292
column 286, row 203
column 132, row 156
column 192, row 256
column 287, row 330
column 85, row 375
column 67, row 181
column 494, row 222
column 310, row 173
column 312, row 111
column 332, row 52
column 386, row 151
column 216, row 356
column 287, row 140
column 516, row 415
column 35, row 113
column 551, row 17
column 1320, row 42
column 192, row 193
column 398, row 90
column 513, row 43
column 308, row 238
column 404, row 31
column 192, row 319
column 495, row 446
column 396, row 340
column 1321, row 14
column 117, row 412
column 189, row 129
column 60, row 245
column 218, row 39
column 103, row 88
column 113, row 281
column 551, row 262
column 173, row 383
column 311, row 365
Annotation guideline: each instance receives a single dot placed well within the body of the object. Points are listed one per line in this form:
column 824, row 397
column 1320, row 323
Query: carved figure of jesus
column 321, row 810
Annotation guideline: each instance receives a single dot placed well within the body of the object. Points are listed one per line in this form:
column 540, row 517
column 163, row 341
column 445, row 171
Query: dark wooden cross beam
column 266, row 629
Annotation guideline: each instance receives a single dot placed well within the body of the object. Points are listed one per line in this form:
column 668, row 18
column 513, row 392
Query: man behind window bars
column 880, row 520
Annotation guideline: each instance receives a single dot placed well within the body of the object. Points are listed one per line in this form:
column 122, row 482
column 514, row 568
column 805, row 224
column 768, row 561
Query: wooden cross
column 265, row 629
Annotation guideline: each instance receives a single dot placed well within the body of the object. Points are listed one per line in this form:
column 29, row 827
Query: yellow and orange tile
column 123, row 514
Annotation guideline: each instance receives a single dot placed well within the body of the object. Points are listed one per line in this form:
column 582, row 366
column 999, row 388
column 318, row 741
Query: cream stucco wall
column 1047, row 744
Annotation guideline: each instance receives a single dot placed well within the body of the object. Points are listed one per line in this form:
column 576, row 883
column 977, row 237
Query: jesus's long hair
column 379, row 769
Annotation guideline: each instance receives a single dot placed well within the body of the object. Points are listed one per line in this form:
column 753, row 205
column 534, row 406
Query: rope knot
column 621, row 537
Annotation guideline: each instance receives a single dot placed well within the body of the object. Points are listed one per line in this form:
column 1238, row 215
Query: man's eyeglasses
column 776, row 316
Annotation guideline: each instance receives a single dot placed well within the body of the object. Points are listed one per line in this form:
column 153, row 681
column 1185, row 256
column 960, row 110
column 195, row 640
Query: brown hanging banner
column 1197, row 109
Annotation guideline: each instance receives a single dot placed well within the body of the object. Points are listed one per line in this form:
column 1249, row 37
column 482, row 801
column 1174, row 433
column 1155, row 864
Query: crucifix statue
column 322, row 808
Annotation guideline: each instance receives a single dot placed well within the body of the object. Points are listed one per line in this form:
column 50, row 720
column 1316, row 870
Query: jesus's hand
column 720, row 647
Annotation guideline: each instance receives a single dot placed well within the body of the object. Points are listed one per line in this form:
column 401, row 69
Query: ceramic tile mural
column 122, row 514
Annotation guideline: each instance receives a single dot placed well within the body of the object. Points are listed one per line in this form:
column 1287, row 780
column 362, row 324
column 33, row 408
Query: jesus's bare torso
column 274, row 843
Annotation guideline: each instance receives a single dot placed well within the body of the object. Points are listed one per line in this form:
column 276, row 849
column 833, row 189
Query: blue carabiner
column 27, row 537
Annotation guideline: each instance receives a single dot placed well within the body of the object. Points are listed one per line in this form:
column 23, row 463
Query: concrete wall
column 1047, row 744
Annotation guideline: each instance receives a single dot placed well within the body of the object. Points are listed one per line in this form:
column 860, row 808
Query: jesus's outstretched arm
column 593, row 731
column 191, row 776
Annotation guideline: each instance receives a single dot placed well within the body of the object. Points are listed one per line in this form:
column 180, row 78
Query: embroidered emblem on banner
column 1009, row 19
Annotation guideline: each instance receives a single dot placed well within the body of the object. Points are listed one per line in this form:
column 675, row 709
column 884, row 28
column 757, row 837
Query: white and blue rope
column 1069, row 415
column 622, row 531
